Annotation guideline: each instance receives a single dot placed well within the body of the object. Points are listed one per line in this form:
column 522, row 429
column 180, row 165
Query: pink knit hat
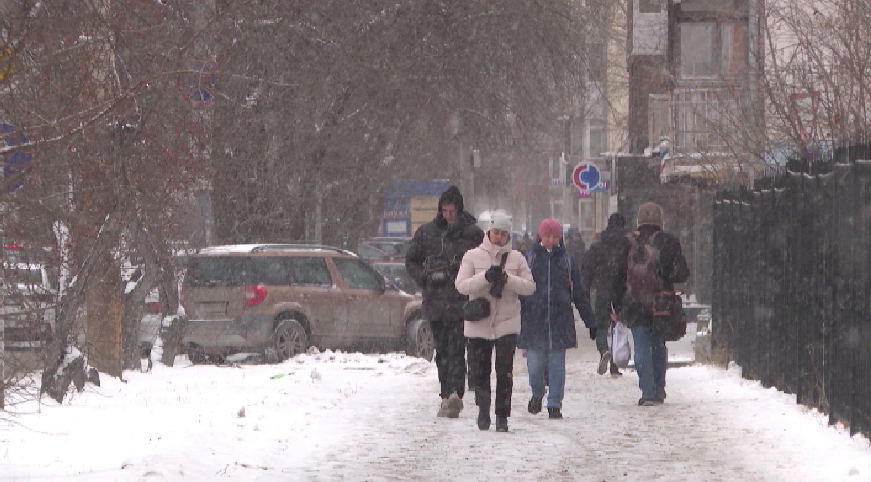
column 549, row 226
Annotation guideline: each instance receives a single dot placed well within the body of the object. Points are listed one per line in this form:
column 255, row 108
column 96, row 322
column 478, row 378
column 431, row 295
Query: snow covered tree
column 114, row 154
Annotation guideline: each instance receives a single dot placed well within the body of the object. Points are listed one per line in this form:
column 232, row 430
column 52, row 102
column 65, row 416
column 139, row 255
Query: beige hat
column 650, row 213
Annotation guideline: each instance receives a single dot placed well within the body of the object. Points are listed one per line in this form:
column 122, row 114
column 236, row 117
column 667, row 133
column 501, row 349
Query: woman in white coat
column 481, row 276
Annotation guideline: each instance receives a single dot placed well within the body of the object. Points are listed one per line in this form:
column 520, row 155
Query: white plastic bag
column 618, row 343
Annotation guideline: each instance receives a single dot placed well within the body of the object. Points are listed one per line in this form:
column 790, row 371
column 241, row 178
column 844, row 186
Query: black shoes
column 615, row 372
column 554, row 413
column 483, row 418
column 649, row 402
column 501, row 424
column 603, row 363
column 534, row 406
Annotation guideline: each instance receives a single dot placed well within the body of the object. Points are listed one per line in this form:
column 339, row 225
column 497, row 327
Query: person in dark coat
column 575, row 245
column 650, row 353
column 603, row 273
column 433, row 260
column 547, row 321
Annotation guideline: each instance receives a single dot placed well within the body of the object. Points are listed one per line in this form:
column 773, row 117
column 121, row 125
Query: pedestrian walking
column 603, row 273
column 658, row 252
column 433, row 260
column 547, row 322
column 497, row 274
column 575, row 246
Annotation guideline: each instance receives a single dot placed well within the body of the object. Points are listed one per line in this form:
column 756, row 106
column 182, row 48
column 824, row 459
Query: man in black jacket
column 670, row 267
column 433, row 260
column 603, row 271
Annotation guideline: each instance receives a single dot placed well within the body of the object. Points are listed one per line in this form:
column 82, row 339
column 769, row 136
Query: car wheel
column 288, row 340
column 420, row 340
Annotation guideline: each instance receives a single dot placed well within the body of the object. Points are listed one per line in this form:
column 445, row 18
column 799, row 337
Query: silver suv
column 280, row 299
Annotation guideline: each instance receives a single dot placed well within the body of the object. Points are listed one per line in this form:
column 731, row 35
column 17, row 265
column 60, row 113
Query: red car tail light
column 254, row 294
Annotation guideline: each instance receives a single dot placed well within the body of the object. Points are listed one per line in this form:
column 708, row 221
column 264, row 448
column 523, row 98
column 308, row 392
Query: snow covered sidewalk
column 352, row 417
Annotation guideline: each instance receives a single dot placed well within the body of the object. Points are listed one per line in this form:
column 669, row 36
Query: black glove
column 493, row 274
column 593, row 331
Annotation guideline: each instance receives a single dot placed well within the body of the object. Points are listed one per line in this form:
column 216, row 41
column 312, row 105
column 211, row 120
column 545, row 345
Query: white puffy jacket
column 504, row 312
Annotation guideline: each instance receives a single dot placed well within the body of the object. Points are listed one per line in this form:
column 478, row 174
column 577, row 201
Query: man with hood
column 433, row 260
column 603, row 273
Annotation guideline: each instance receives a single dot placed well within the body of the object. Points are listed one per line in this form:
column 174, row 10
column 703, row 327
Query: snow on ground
column 355, row 417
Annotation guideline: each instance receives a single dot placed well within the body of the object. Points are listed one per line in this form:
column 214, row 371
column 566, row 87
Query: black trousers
column 480, row 362
column 450, row 356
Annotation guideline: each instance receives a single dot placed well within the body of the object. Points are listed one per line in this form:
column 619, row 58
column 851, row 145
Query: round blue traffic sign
column 585, row 177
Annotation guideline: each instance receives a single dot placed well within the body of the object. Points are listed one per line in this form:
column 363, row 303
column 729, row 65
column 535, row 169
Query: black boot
column 483, row 418
column 615, row 372
column 554, row 413
column 501, row 424
column 534, row 406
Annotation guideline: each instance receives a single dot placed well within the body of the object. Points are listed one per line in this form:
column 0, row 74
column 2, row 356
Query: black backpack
column 645, row 286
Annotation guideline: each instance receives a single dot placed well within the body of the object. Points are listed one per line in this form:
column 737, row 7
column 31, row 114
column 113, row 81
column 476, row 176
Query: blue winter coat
column 546, row 316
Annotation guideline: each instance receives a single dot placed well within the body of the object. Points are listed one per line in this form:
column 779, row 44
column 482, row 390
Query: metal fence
column 790, row 278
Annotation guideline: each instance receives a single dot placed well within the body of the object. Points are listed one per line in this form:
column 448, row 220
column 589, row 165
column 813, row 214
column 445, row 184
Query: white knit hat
column 500, row 220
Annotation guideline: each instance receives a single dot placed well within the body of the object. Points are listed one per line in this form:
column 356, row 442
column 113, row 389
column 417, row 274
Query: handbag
column 669, row 319
column 477, row 309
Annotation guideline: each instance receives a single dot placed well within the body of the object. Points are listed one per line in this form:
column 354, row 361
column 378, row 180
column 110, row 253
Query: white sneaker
column 455, row 406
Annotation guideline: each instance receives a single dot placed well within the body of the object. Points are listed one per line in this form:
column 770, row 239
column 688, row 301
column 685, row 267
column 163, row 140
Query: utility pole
column 466, row 164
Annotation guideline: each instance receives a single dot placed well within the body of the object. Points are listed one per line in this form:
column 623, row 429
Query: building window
column 701, row 117
column 596, row 65
column 649, row 6
column 597, row 141
column 711, row 49
column 708, row 6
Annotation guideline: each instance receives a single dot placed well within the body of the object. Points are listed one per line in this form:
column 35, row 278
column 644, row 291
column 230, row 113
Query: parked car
column 385, row 248
column 373, row 254
column 397, row 274
column 28, row 305
column 280, row 299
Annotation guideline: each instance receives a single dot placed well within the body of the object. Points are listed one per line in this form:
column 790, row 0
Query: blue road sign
column 587, row 178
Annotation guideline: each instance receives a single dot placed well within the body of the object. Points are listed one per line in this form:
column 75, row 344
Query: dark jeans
column 450, row 356
column 480, row 361
column 651, row 358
